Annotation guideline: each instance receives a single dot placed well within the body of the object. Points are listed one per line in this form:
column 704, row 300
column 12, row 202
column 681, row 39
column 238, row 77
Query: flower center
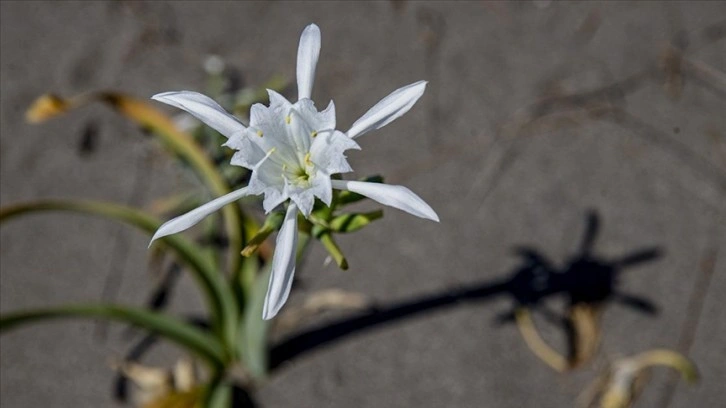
column 300, row 173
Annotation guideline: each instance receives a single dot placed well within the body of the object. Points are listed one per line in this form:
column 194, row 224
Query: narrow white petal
column 204, row 108
column 283, row 265
column 396, row 196
column 191, row 218
column 388, row 109
column 307, row 58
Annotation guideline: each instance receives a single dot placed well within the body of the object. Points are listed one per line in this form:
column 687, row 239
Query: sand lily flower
column 292, row 150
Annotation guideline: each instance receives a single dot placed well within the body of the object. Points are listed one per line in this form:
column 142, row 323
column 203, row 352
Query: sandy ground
column 535, row 114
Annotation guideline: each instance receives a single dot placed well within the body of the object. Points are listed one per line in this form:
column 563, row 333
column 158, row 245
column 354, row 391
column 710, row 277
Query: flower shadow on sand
column 586, row 279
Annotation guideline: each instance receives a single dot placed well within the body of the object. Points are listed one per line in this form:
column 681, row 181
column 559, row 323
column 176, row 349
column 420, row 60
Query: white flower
column 292, row 150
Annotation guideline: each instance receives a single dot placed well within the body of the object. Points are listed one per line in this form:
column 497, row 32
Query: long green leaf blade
column 219, row 395
column 217, row 292
column 253, row 330
column 183, row 334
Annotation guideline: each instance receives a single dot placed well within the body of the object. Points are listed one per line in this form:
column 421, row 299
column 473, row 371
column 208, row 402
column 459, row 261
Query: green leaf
column 218, row 294
column 245, row 280
column 219, row 395
column 253, row 346
column 191, row 338
column 354, row 221
column 272, row 223
column 254, row 329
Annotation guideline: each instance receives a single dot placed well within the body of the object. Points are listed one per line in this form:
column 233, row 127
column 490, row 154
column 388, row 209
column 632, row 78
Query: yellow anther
column 288, row 118
column 307, row 159
column 271, row 151
column 314, row 133
column 284, row 167
column 259, row 133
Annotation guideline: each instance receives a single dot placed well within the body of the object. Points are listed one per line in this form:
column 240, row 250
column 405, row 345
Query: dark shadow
column 161, row 295
column 242, row 398
column 584, row 278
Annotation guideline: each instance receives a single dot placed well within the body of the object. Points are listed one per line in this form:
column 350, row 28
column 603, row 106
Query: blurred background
column 583, row 139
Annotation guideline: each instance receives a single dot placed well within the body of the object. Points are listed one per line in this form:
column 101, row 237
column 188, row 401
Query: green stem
column 329, row 243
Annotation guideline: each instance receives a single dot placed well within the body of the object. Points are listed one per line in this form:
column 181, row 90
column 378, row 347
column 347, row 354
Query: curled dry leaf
column 585, row 322
column 585, row 319
column 534, row 341
column 158, row 387
column 622, row 382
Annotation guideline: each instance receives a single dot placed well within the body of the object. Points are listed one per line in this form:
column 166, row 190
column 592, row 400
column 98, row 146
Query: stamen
column 307, row 159
column 288, row 118
column 314, row 133
column 259, row 133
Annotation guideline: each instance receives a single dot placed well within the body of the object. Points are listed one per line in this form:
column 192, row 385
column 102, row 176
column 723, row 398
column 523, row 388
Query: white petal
column 324, row 120
column 388, row 109
column 303, row 198
column 273, row 198
column 283, row 265
column 269, row 128
column 299, row 132
column 278, row 102
column 204, row 108
column 396, row 196
column 248, row 154
column 307, row 58
column 191, row 218
column 259, row 115
column 322, row 188
column 267, row 178
column 327, row 151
